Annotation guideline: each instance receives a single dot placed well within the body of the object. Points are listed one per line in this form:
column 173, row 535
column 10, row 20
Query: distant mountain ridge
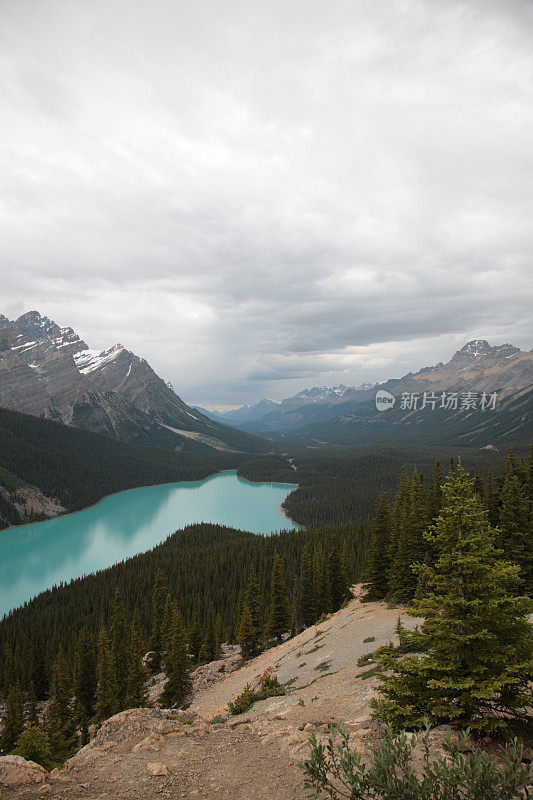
column 49, row 371
column 476, row 367
column 271, row 415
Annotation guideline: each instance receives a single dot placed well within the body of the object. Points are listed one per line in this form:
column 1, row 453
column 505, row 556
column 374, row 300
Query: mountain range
column 49, row 371
column 348, row 415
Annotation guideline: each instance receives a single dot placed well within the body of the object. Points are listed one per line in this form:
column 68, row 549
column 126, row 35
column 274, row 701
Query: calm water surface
column 36, row 557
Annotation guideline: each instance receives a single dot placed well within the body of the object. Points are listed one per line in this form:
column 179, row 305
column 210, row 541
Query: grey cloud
column 259, row 196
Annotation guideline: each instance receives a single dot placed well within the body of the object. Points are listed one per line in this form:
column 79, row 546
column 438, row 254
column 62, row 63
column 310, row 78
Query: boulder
column 16, row 771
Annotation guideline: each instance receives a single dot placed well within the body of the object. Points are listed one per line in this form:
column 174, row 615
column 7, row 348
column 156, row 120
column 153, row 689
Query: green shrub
column 33, row 746
column 268, row 687
column 243, row 701
column 337, row 772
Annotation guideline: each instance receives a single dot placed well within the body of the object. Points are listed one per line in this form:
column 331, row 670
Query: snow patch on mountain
column 88, row 361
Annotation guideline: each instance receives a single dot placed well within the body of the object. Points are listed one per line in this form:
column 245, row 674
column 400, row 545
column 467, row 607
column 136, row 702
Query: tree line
column 398, row 537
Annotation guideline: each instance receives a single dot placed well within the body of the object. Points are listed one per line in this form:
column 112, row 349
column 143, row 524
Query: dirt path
column 324, row 649
column 191, row 761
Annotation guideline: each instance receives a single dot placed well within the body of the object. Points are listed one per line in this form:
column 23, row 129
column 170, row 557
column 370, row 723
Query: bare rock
column 155, row 769
column 16, row 771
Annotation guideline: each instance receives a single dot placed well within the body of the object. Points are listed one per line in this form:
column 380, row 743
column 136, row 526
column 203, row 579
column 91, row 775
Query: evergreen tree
column 434, row 493
column 475, row 637
column 208, row 648
column 38, row 676
column 13, row 721
column 159, row 599
column 516, row 537
column 338, row 590
column 85, row 672
column 32, row 745
column 82, row 722
column 379, row 559
column 195, row 641
column 166, row 626
column 252, row 598
column 31, row 707
column 58, row 719
column 492, row 502
column 136, row 695
column 320, row 581
column 307, row 592
column 247, row 635
column 177, row 665
column 107, row 702
column 278, row 615
column 120, row 637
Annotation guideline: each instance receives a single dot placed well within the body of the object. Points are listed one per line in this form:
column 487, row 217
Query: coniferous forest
column 80, row 646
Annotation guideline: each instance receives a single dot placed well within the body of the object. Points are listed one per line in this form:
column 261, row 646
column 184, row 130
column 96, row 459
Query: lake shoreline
column 149, row 486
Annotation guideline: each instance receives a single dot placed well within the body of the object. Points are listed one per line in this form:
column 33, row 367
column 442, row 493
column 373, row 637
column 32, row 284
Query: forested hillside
column 80, row 467
column 336, row 488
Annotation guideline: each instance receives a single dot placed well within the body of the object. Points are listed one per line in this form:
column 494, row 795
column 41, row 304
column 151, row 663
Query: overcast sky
column 264, row 195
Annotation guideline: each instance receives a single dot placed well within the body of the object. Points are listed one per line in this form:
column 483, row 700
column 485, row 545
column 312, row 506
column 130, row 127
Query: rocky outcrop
column 16, row 771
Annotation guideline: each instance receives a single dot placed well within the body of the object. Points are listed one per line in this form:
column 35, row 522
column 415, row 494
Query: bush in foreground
column 33, row 746
column 269, row 687
column 337, row 772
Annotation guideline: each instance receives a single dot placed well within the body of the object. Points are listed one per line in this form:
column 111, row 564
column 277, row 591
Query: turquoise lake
column 36, row 557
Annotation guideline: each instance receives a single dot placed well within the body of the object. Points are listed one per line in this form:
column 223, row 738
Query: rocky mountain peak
column 479, row 349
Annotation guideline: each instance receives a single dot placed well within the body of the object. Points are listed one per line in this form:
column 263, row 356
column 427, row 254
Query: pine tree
column 278, row 615
column 32, row 745
column 252, row 598
column 177, row 665
column 13, row 724
column 159, row 600
column 338, row 590
column 208, row 648
column 247, row 635
column 32, row 717
column 119, row 638
column 475, row 637
column 38, row 674
column 106, row 692
column 307, row 592
column 85, row 672
column 492, row 500
column 434, row 493
column 58, row 719
column 516, row 536
column 320, row 581
column 379, row 559
column 136, row 695
column 195, row 641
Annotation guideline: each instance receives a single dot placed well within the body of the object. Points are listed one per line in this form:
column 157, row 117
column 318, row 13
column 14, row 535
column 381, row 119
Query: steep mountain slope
column 49, row 371
column 509, row 424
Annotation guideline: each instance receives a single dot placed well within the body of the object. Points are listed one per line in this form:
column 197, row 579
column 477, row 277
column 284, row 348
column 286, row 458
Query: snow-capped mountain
column 50, row 371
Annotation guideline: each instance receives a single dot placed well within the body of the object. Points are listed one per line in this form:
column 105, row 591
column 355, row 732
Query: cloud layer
column 259, row 196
